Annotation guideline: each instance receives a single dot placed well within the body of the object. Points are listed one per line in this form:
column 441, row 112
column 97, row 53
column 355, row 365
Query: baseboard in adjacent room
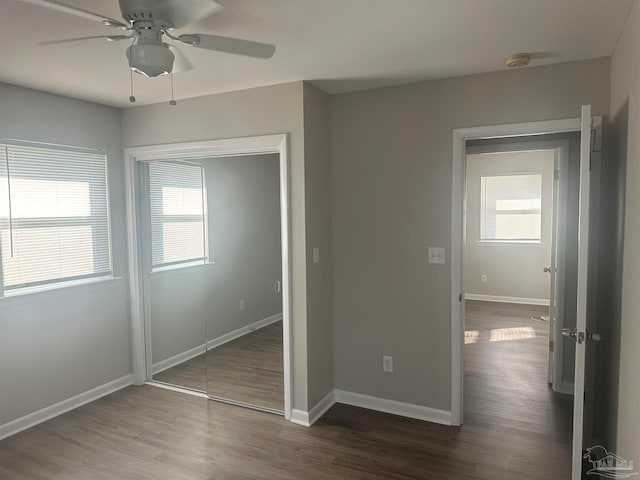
column 391, row 406
column 500, row 299
column 64, row 406
column 213, row 343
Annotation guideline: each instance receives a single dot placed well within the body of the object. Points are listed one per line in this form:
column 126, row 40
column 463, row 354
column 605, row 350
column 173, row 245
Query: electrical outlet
column 387, row 364
column 484, row 279
column 242, row 305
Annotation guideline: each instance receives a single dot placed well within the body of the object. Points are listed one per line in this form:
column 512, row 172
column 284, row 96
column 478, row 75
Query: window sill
column 511, row 243
column 58, row 288
column 181, row 268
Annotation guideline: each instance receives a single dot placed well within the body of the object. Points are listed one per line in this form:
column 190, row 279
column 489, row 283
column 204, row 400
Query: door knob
column 547, row 269
column 569, row 332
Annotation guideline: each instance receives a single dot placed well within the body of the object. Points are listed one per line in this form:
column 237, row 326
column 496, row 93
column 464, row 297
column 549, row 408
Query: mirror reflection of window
column 178, row 220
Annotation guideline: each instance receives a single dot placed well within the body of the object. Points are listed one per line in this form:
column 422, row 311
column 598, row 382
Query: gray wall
column 625, row 114
column 187, row 304
column 259, row 111
column 57, row 344
column 391, row 200
column 317, row 143
column 512, row 269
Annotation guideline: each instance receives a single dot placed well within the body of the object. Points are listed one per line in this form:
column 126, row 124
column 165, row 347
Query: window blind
column 177, row 202
column 511, row 207
column 54, row 215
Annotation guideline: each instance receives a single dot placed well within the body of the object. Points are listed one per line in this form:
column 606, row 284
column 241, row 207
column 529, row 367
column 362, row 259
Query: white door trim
column 204, row 149
column 460, row 136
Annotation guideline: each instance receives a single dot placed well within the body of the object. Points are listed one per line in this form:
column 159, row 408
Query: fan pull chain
column 132, row 99
column 172, row 101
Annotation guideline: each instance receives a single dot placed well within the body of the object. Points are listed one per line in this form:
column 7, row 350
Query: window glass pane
column 511, row 207
column 54, row 221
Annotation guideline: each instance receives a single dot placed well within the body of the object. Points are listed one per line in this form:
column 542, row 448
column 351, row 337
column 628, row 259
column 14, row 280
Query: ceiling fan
column 149, row 22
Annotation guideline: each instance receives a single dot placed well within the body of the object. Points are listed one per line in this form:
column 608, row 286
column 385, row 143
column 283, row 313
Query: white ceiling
column 341, row 45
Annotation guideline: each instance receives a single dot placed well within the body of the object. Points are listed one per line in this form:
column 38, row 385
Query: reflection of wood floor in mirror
column 248, row 369
column 190, row 374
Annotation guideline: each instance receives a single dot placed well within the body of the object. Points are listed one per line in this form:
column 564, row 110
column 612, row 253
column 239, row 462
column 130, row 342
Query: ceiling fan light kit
column 148, row 21
column 150, row 60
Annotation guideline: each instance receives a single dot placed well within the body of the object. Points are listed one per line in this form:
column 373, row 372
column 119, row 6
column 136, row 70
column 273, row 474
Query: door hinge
column 556, row 174
column 552, row 345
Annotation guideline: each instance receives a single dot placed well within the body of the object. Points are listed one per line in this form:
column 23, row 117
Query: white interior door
column 580, row 332
column 552, row 269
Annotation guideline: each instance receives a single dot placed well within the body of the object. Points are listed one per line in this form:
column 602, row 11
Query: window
column 177, row 203
column 511, row 207
column 54, row 215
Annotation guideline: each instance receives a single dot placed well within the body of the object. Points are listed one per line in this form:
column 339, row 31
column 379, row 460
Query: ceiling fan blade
column 78, row 12
column 229, row 45
column 181, row 63
column 179, row 12
column 110, row 38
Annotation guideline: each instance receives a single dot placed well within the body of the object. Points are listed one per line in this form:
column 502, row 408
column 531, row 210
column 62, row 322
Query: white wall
column 391, row 200
column 57, row 344
column 512, row 269
column 625, row 115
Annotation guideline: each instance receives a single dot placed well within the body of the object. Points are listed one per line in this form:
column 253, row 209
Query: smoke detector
column 516, row 60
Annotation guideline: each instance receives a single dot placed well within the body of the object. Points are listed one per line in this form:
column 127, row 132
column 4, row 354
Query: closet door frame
column 278, row 143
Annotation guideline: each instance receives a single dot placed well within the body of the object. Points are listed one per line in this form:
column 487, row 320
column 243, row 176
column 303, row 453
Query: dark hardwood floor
column 248, row 369
column 514, row 430
column 506, row 382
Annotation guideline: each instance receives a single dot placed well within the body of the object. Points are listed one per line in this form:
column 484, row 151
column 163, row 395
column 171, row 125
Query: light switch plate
column 436, row 255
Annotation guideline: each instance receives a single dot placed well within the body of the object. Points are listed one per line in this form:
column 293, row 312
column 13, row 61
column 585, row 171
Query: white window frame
column 19, row 223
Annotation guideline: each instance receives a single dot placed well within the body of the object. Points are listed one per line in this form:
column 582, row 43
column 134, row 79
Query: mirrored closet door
column 212, row 254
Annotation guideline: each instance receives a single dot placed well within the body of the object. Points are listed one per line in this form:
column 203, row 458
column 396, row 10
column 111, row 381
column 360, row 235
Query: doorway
column 587, row 266
column 520, row 216
column 209, row 232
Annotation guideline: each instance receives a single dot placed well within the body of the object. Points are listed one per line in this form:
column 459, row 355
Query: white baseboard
column 211, row 344
column 178, row 359
column 300, row 417
column 307, row 419
column 227, row 337
column 496, row 298
column 64, row 406
column 391, row 406
column 321, row 407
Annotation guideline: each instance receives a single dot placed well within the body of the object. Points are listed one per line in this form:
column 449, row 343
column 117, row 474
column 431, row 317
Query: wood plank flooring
column 151, row 433
column 248, row 369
